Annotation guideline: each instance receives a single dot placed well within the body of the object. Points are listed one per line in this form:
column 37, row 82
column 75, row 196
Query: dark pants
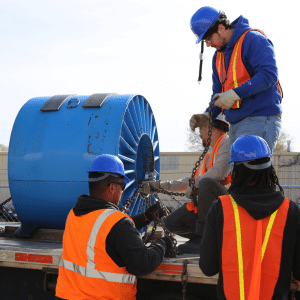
column 186, row 223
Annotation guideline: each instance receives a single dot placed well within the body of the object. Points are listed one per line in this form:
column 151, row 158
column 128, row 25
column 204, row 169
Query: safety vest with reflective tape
column 237, row 73
column 251, row 251
column 86, row 271
column 213, row 155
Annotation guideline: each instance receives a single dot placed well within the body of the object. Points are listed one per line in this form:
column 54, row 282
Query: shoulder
column 224, row 145
column 256, row 37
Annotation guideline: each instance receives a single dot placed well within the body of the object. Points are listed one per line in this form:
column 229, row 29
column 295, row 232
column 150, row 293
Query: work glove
column 151, row 211
column 189, row 193
column 226, row 100
column 197, row 119
column 149, row 187
column 166, row 242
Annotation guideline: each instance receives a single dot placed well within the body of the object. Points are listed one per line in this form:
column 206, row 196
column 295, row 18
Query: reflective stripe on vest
column 89, row 270
column 93, row 273
column 253, row 258
column 213, row 155
column 237, row 73
column 239, row 244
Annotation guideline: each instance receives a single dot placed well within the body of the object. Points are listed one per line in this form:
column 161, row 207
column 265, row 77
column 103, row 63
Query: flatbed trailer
column 29, row 269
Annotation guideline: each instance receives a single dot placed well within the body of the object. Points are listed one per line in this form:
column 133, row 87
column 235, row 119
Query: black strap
column 201, row 61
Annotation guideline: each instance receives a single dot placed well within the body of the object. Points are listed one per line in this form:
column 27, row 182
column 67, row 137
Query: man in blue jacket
column 245, row 75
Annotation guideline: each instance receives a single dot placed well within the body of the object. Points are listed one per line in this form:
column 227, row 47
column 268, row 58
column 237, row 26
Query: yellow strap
column 268, row 232
column 239, row 248
column 234, row 71
column 239, row 244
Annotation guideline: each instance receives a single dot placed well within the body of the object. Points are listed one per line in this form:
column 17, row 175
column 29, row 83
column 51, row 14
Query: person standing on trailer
column 211, row 180
column 245, row 75
column 252, row 235
column 102, row 249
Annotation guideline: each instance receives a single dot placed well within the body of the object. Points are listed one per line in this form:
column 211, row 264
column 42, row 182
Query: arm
column 209, row 248
column 217, row 87
column 259, row 58
column 179, row 185
column 126, row 248
column 220, row 168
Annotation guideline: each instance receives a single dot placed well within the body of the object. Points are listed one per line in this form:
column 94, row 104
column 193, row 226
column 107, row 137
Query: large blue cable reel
column 54, row 141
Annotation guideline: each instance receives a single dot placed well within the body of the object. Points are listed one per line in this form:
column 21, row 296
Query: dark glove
column 167, row 241
column 150, row 212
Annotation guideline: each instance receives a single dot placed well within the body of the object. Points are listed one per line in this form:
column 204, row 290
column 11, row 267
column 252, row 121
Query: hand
column 149, row 187
column 168, row 243
column 151, row 211
column 226, row 100
column 189, row 193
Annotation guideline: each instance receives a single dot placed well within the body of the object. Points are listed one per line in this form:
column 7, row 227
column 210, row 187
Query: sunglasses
column 122, row 184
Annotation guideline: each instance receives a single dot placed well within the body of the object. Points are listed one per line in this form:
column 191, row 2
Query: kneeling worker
column 252, row 236
column 102, row 249
column 212, row 179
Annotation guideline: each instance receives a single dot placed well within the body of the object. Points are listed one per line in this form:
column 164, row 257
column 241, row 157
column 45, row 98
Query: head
column 212, row 26
column 219, row 127
column 252, row 165
column 107, row 178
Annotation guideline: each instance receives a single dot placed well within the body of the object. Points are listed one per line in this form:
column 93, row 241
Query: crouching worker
column 211, row 180
column 252, row 235
column 102, row 249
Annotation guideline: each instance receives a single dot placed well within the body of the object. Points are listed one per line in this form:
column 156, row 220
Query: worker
column 211, row 179
column 245, row 75
column 252, row 235
column 102, row 249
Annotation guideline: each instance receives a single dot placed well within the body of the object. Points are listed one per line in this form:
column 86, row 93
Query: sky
column 146, row 47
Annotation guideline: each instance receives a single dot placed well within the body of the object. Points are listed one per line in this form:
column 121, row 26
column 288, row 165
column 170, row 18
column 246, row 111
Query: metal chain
column 293, row 287
column 149, row 237
column 128, row 202
column 202, row 156
column 184, row 278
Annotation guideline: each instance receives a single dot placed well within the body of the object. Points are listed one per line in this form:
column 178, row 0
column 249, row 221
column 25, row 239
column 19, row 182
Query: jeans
column 267, row 127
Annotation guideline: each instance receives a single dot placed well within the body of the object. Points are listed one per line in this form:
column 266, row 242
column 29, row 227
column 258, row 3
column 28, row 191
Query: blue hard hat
column 202, row 20
column 249, row 147
column 107, row 163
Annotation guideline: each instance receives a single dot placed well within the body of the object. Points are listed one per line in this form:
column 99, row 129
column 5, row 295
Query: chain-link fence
column 287, row 169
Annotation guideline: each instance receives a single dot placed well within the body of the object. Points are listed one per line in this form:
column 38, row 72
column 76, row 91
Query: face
column 217, row 40
column 116, row 190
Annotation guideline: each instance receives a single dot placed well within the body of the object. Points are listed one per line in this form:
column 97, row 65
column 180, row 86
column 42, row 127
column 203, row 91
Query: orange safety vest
column 251, row 251
column 213, row 155
column 237, row 73
column 86, row 271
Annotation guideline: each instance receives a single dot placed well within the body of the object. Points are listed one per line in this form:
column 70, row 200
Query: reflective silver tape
column 256, row 167
column 90, row 251
column 93, row 273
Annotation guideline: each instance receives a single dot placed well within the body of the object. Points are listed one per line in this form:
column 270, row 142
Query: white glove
column 165, row 185
column 188, row 192
column 149, row 187
column 197, row 119
column 226, row 100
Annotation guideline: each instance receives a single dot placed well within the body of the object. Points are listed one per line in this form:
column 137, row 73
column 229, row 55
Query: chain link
column 128, row 202
column 293, row 287
column 202, row 156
